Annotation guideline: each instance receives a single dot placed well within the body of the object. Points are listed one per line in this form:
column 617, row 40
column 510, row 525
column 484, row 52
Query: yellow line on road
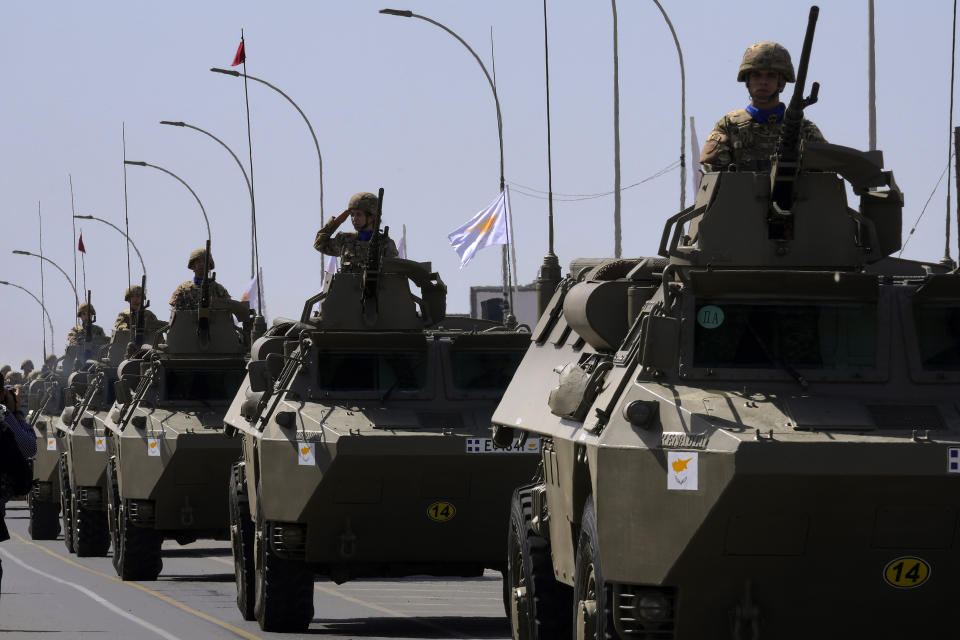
column 220, row 623
column 375, row 607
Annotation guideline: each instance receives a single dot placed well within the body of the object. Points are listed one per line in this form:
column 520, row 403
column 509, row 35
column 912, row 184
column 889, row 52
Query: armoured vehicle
column 168, row 463
column 366, row 448
column 44, row 403
column 82, row 430
column 754, row 434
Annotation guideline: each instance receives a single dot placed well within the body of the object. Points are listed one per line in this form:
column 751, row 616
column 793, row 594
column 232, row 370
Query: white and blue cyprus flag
column 487, row 228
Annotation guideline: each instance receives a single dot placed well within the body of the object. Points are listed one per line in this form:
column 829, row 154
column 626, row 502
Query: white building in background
column 487, row 303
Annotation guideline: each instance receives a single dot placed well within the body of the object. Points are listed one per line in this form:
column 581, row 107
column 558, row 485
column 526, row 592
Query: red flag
column 241, row 56
column 80, row 247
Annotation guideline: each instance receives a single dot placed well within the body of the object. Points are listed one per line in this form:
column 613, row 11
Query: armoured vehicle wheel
column 91, row 535
column 66, row 505
column 284, row 589
column 539, row 606
column 44, row 521
column 592, row 615
column 137, row 552
column 113, row 508
column 241, row 538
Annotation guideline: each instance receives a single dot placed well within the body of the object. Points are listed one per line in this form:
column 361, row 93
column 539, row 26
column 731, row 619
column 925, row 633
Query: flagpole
column 83, row 263
column 40, row 217
column 255, row 254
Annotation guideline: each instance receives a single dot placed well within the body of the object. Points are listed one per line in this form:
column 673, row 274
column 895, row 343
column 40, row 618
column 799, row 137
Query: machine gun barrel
column 793, row 118
column 786, row 160
column 141, row 312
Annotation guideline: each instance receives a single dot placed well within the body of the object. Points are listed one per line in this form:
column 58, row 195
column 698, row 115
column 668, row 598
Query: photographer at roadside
column 17, row 444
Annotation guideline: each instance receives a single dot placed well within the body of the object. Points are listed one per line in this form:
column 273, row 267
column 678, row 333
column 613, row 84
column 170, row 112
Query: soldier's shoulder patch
column 738, row 116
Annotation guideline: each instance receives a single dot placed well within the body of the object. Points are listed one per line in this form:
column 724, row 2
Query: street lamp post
column 316, row 144
column 129, row 239
column 507, row 293
column 683, row 110
column 180, row 180
column 45, row 312
column 246, row 178
column 76, row 298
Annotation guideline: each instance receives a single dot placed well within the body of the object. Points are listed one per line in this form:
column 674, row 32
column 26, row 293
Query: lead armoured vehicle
column 169, row 462
column 755, row 434
column 366, row 443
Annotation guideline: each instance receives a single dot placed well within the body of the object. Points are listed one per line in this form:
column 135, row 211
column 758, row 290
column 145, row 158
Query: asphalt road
column 49, row 593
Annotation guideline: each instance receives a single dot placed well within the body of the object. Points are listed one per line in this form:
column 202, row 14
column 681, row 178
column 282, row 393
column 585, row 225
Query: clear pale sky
column 400, row 104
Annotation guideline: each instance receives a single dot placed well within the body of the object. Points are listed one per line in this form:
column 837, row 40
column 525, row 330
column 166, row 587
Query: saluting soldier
column 353, row 247
column 127, row 319
column 745, row 139
column 188, row 294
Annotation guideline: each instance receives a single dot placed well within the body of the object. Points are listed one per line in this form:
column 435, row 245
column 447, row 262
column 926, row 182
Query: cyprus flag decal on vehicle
column 682, row 470
column 305, row 453
column 153, row 447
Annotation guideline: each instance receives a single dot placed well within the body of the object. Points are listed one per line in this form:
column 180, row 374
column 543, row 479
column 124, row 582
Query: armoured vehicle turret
column 366, row 443
column 754, row 434
column 82, row 431
column 169, row 462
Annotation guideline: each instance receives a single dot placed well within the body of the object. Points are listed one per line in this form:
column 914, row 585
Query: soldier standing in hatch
column 78, row 334
column 127, row 319
column 49, row 367
column 746, row 138
column 26, row 367
column 188, row 294
column 352, row 248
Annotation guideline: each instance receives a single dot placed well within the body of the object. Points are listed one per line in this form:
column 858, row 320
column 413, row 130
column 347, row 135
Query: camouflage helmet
column 26, row 363
column 198, row 253
column 137, row 290
column 364, row 201
column 86, row 307
column 13, row 377
column 4, row 369
column 766, row 55
column 52, row 358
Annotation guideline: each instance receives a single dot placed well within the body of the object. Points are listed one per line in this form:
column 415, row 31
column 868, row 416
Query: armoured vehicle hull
column 366, row 445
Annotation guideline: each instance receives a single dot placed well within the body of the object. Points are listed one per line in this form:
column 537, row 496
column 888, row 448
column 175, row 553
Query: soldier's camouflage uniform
column 78, row 335
column 738, row 139
column 352, row 251
column 127, row 322
column 187, row 295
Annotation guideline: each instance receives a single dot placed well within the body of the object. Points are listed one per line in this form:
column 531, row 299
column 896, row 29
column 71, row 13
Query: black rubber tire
column 241, row 540
column 283, row 589
column 137, row 555
column 66, row 504
column 91, row 534
column 545, row 612
column 44, row 523
column 588, row 580
column 113, row 510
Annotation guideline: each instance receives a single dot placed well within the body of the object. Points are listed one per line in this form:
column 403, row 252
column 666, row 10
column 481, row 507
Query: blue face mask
column 364, row 236
column 197, row 280
column 767, row 116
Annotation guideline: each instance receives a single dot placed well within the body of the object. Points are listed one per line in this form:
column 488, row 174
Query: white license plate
column 486, row 445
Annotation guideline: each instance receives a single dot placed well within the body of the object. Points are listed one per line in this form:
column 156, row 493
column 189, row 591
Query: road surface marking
column 220, row 623
column 90, row 594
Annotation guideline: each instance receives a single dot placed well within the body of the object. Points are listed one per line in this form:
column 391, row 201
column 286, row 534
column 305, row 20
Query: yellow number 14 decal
column 906, row 572
column 441, row 511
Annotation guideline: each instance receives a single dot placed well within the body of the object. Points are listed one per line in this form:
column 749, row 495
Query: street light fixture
column 180, row 180
column 246, row 178
column 76, row 298
column 129, row 239
column 316, row 144
column 405, row 13
column 45, row 312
